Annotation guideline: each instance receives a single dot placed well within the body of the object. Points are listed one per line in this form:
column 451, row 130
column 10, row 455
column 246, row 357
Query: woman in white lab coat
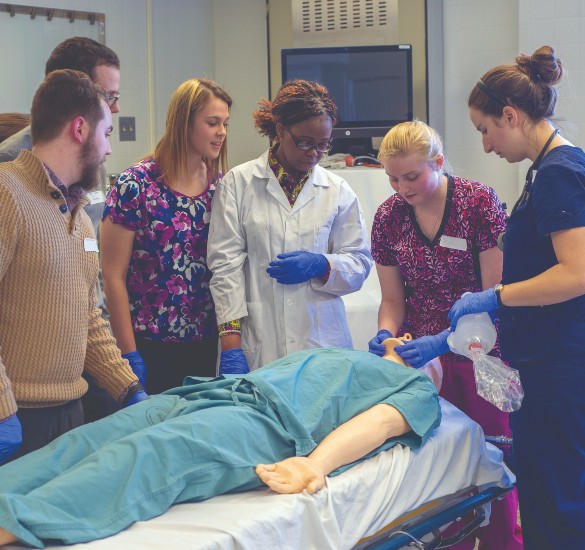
column 287, row 238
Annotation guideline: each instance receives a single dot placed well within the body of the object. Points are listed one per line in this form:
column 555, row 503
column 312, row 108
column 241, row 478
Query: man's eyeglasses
column 323, row 147
column 112, row 98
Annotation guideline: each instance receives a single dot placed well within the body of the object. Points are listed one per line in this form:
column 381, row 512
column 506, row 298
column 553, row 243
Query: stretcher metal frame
column 465, row 510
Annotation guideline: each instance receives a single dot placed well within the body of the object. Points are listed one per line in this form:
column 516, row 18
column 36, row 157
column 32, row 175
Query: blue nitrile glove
column 375, row 344
column 420, row 351
column 10, row 437
column 474, row 302
column 136, row 398
column 138, row 365
column 297, row 267
column 233, row 361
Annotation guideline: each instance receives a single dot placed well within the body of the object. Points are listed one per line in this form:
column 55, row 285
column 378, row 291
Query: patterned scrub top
column 168, row 278
column 436, row 276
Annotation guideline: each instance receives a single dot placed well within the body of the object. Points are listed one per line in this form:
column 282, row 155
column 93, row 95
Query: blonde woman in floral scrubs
column 433, row 240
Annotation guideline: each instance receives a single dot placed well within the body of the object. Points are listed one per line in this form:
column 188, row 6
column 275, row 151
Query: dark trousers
column 170, row 362
column 97, row 403
column 40, row 426
column 549, row 452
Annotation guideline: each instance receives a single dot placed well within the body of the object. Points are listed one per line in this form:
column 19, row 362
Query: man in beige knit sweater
column 50, row 328
column 103, row 67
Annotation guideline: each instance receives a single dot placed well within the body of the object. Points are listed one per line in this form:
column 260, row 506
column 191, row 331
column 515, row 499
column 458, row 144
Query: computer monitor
column 371, row 86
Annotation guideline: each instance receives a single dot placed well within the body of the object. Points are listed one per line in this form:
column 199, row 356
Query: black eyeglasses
column 112, row 98
column 323, row 147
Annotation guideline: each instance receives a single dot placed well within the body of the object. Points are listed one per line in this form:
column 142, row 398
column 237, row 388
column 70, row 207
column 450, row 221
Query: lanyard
column 529, row 175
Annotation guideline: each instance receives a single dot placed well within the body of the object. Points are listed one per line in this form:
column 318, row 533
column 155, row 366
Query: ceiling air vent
column 344, row 22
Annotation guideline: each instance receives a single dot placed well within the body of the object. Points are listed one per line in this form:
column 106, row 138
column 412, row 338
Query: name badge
column 206, row 217
column 453, row 242
column 96, row 197
column 90, row 245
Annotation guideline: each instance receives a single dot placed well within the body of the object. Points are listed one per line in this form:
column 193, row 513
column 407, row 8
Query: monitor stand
column 354, row 146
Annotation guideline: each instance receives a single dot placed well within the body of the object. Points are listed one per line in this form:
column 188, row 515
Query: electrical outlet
column 127, row 128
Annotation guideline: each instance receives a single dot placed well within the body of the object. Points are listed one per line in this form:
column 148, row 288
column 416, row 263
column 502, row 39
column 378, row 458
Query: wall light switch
column 127, row 128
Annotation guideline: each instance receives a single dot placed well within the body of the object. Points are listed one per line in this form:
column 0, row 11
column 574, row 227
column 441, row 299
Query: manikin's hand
column 292, row 475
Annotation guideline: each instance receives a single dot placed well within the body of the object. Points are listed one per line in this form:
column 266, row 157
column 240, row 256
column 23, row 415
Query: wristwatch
column 498, row 290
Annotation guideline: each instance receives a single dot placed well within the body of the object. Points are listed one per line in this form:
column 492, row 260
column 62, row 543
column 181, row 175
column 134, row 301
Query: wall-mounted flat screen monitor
column 371, row 85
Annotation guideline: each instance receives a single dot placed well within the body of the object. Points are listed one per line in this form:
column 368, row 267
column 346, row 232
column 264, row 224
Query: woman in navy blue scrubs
column 541, row 300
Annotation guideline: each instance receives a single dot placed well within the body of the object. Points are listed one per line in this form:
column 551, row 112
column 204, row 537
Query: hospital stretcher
column 358, row 508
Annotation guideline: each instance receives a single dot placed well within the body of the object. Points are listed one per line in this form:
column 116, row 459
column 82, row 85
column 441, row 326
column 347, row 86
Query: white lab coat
column 251, row 222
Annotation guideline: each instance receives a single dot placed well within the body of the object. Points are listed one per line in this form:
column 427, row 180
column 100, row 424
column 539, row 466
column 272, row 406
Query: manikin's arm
column 6, row 537
column 350, row 442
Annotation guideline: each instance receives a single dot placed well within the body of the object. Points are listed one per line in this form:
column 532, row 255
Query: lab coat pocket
column 252, row 329
column 330, row 328
column 321, row 240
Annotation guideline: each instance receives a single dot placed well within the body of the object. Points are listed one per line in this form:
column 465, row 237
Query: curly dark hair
column 296, row 101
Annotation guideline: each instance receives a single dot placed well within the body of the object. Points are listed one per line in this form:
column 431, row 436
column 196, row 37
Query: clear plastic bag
column 497, row 383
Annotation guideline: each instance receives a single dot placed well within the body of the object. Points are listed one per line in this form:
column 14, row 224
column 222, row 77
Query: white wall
column 241, row 67
column 226, row 40
column 162, row 43
column 479, row 35
column 125, row 24
column 476, row 36
column 182, row 48
column 560, row 24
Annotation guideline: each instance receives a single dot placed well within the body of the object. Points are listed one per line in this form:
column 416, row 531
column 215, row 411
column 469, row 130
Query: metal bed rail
column 466, row 507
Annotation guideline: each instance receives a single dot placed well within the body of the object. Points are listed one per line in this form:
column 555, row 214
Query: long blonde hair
column 172, row 150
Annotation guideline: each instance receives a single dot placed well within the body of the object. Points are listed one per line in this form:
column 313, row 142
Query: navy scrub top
column 555, row 202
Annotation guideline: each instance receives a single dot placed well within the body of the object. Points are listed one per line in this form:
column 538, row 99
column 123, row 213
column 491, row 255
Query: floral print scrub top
column 436, row 276
column 168, row 278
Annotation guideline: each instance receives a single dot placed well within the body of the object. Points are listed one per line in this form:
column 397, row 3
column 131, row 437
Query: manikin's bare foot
column 292, row 475
column 6, row 537
column 391, row 343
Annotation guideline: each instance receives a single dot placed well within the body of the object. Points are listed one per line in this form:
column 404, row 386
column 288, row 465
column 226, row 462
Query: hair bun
column 542, row 66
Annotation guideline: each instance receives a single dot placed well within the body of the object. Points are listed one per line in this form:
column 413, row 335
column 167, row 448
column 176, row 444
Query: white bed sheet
column 355, row 504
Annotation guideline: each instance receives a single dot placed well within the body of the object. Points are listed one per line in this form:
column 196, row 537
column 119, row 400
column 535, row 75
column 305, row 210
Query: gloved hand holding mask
column 420, row 351
column 473, row 302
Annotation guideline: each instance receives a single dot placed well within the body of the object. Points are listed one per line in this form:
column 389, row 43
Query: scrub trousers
column 98, row 479
column 459, row 388
column 549, row 450
column 169, row 363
